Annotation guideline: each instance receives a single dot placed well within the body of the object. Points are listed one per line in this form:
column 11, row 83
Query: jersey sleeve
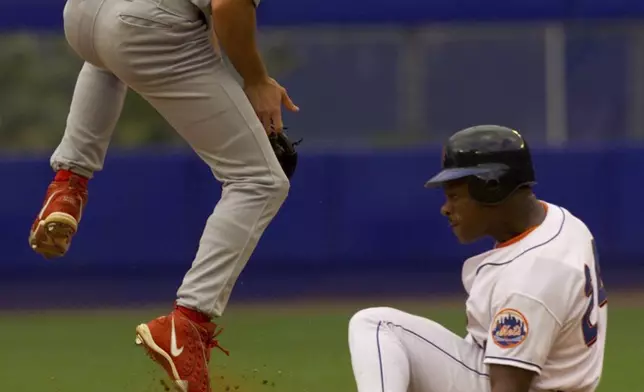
column 521, row 333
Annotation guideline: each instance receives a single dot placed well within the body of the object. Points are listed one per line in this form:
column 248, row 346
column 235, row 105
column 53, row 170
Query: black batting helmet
column 495, row 160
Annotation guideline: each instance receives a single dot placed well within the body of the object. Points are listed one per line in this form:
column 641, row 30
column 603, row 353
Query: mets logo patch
column 510, row 328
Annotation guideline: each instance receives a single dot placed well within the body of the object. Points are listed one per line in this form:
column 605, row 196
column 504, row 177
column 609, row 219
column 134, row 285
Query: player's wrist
column 256, row 79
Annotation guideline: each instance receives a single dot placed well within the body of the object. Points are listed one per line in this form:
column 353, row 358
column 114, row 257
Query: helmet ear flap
column 491, row 189
column 487, row 191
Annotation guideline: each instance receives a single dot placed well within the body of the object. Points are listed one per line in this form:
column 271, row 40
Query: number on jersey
column 588, row 328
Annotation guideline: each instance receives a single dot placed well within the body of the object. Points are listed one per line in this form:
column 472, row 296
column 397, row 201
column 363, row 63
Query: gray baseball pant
column 162, row 49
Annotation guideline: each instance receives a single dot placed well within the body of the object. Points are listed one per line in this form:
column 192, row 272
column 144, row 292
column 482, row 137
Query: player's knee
column 369, row 317
column 280, row 187
column 273, row 187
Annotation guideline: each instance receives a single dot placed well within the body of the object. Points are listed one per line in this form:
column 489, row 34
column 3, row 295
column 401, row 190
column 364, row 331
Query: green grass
column 288, row 349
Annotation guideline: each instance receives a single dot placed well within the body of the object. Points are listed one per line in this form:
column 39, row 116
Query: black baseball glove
column 285, row 151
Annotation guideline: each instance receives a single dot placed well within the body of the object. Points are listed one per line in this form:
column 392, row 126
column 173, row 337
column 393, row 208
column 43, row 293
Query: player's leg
column 164, row 53
column 95, row 108
column 394, row 351
column 94, row 111
column 177, row 70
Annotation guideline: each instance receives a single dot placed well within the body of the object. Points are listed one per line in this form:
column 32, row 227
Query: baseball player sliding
column 536, row 311
column 165, row 51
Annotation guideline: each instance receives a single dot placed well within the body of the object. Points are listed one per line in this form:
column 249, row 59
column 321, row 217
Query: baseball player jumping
column 166, row 51
column 536, row 311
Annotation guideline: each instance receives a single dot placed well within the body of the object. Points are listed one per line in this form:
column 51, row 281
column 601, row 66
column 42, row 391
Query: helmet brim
column 454, row 174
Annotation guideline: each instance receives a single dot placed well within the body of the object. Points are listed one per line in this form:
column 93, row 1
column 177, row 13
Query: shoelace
column 214, row 343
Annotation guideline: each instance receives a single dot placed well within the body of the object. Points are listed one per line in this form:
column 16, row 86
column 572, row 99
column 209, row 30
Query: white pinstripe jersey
column 537, row 303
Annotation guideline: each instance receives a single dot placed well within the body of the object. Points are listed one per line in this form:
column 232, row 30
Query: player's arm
column 235, row 25
column 510, row 379
column 519, row 341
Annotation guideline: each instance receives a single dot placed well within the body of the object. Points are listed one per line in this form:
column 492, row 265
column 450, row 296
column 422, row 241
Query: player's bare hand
column 267, row 98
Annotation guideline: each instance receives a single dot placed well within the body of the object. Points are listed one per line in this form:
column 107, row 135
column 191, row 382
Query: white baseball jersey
column 537, row 302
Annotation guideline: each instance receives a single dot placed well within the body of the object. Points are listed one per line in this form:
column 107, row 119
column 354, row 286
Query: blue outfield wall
column 349, row 216
column 47, row 14
column 358, row 220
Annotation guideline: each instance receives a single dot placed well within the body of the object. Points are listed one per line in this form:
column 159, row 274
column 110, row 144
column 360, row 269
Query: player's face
column 466, row 217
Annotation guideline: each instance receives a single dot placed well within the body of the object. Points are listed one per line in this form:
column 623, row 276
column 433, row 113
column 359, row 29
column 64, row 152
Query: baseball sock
column 193, row 315
column 64, row 175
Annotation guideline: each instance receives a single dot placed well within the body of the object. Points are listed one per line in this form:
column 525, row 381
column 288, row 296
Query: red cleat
column 182, row 348
column 52, row 231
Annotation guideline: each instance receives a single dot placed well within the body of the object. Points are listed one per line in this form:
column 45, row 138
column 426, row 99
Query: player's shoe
column 52, row 231
column 182, row 347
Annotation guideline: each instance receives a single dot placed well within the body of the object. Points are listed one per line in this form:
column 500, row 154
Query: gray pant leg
column 97, row 101
column 162, row 50
column 96, row 106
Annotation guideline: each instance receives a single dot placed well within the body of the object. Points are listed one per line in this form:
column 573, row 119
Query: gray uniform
column 162, row 49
